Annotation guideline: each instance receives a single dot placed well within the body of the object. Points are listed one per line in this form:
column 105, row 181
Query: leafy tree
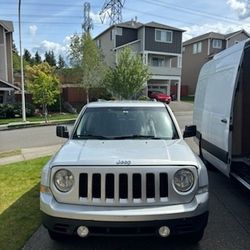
column 87, row 57
column 50, row 58
column 75, row 51
column 37, row 58
column 43, row 85
column 128, row 77
column 61, row 63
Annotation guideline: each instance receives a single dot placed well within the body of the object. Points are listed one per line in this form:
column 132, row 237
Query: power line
column 162, row 17
column 191, row 11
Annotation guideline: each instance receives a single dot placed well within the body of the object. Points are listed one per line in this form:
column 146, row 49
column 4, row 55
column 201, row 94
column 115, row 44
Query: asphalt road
column 28, row 138
column 228, row 227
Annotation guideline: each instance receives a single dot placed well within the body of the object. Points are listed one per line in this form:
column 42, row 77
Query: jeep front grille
column 123, row 188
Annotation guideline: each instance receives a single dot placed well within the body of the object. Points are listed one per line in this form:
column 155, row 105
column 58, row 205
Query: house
column 159, row 46
column 198, row 50
column 6, row 65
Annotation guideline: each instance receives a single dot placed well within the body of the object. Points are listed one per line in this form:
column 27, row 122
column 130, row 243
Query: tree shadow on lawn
column 20, row 220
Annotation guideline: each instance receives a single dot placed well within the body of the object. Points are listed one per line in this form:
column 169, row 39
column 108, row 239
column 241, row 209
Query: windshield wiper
column 91, row 136
column 138, row 137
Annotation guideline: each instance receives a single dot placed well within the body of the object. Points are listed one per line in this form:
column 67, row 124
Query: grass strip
column 38, row 118
column 187, row 98
column 19, row 202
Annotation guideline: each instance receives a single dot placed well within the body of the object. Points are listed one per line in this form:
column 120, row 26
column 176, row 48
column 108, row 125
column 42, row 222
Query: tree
column 61, row 63
column 75, row 51
column 89, row 61
column 37, row 58
column 128, row 77
column 43, row 85
column 50, row 58
column 27, row 57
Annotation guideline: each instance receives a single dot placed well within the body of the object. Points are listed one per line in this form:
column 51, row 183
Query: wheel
column 194, row 238
column 57, row 236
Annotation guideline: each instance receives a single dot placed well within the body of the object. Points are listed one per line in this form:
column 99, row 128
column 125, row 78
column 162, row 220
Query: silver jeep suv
column 125, row 170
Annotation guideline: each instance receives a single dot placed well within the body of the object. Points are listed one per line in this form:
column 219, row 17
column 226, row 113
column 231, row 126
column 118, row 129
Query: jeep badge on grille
column 123, row 162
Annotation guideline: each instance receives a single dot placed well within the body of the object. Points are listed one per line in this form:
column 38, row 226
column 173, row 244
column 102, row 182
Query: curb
column 35, row 124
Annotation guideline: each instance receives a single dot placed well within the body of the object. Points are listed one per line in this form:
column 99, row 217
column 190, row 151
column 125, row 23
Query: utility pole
column 21, row 59
column 88, row 23
column 112, row 8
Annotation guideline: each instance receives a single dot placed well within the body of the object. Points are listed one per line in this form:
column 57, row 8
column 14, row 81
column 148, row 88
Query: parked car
column 159, row 96
column 221, row 112
column 125, row 170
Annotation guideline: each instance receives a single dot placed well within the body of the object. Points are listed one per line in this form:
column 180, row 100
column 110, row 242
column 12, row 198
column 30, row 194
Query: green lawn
column 187, row 98
column 38, row 118
column 19, row 202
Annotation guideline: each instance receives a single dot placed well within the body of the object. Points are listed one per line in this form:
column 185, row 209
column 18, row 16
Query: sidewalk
column 30, row 153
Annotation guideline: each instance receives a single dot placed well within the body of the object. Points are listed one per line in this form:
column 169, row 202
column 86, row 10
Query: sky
column 49, row 24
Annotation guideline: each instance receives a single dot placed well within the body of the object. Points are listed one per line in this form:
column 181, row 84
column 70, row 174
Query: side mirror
column 189, row 131
column 62, row 131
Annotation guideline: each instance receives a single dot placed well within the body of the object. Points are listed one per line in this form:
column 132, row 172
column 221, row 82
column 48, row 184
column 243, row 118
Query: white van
column 222, row 112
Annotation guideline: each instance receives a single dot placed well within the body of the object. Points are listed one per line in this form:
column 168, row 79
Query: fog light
column 164, row 231
column 82, row 231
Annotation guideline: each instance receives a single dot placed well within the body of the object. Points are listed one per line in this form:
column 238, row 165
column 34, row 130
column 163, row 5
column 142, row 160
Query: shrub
column 144, row 98
column 7, row 111
column 30, row 109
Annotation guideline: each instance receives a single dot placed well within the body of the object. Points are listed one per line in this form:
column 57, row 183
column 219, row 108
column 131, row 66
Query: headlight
column 63, row 180
column 183, row 180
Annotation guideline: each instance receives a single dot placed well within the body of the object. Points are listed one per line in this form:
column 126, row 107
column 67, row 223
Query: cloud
column 57, row 48
column 33, row 29
column 240, row 7
column 223, row 28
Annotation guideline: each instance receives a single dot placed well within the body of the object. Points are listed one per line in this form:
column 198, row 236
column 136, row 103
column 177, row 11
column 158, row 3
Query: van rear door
column 213, row 105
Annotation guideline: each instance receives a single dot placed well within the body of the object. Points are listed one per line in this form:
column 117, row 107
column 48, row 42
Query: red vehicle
column 159, row 96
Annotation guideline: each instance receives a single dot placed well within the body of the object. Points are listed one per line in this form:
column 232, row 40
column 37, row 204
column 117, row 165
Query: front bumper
column 142, row 228
column 51, row 207
column 131, row 221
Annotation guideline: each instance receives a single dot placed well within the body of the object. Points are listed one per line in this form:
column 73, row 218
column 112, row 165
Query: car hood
column 124, row 152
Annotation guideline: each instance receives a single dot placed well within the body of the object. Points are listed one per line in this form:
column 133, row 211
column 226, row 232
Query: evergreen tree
column 27, row 57
column 50, row 58
column 61, row 63
column 37, row 58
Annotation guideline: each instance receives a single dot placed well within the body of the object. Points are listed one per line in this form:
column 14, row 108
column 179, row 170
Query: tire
column 194, row 238
column 57, row 236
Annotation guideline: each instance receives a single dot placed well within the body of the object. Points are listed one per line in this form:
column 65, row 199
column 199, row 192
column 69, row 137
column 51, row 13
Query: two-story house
column 198, row 50
column 158, row 45
column 6, row 64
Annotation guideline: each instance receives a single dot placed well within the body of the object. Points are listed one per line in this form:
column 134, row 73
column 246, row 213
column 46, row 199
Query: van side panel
column 213, row 104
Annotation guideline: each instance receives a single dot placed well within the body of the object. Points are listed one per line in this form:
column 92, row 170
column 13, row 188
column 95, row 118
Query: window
column 197, row 48
column 127, row 122
column 98, row 43
column 119, row 31
column 158, row 61
column 217, row 44
column 164, row 36
column 236, row 42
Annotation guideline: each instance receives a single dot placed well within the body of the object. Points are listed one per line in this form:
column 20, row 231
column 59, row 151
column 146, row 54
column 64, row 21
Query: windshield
column 126, row 123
